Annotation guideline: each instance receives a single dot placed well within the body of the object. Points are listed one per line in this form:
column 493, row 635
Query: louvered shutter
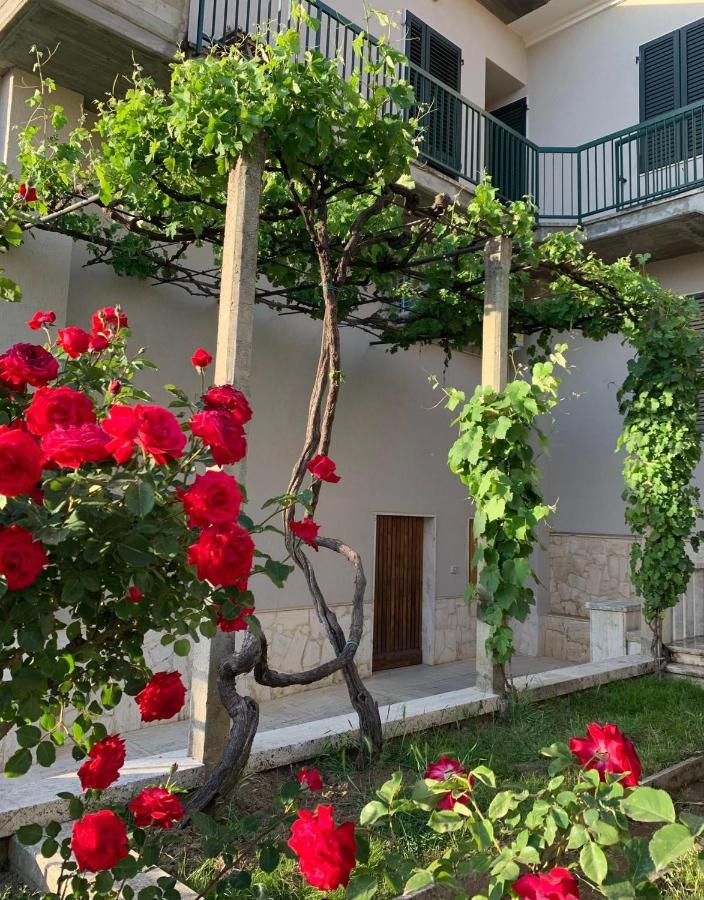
column 660, row 92
column 692, row 82
column 506, row 155
column 698, row 324
column 430, row 52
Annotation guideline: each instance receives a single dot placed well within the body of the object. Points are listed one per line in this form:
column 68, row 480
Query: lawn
column 664, row 718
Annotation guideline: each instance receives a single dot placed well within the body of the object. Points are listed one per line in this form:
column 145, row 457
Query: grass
column 664, row 719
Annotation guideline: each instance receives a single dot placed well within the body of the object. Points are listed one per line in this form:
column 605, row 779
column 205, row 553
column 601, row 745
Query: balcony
column 95, row 40
column 636, row 190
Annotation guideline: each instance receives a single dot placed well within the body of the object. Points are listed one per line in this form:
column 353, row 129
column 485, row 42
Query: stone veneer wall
column 297, row 641
column 582, row 567
column 455, row 630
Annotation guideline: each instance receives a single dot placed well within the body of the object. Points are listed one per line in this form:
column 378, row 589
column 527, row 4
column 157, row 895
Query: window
column 428, row 51
column 672, row 76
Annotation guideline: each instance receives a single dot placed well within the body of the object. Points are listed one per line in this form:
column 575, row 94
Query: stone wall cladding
column 565, row 637
column 297, row 642
column 588, row 567
column 583, row 567
column 455, row 630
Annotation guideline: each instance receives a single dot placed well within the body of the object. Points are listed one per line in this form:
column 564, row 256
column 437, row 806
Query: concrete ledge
column 42, row 873
column 677, row 776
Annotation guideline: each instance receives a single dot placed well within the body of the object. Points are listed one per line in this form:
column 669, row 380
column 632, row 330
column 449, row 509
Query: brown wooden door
column 398, row 592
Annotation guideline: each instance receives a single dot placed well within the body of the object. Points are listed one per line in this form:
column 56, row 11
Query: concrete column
column 210, row 723
column 497, row 267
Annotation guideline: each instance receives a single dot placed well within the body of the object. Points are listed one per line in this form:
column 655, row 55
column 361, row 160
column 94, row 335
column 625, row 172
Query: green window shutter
column 431, row 52
column 660, row 90
column 692, row 62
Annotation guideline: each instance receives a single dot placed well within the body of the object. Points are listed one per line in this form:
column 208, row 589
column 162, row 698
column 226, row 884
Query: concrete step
column 680, row 670
column 687, row 653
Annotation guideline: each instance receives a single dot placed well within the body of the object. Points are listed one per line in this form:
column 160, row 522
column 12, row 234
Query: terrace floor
column 390, row 686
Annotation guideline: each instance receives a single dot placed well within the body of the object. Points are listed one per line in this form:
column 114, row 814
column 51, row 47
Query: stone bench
column 608, row 627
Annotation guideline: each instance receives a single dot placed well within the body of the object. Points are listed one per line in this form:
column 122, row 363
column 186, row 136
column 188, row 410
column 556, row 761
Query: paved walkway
column 390, row 686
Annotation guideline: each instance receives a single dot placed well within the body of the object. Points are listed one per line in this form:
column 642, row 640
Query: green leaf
column 645, row 804
column 669, row 843
column 593, row 862
column 502, row 804
column 442, row 820
column 46, row 754
column 420, row 879
column 28, row 735
column 362, row 886
column 139, row 498
column 389, row 790
column 19, row 763
column 30, row 834
column 372, row 812
column 182, row 647
column 269, row 856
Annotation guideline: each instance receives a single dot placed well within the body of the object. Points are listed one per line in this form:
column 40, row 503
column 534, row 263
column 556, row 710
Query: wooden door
column 398, row 592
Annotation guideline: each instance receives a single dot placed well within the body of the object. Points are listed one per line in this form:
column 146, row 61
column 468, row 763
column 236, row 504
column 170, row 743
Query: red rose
column 443, row 770
column 134, row 595
column 557, row 884
column 99, row 841
column 27, row 193
column 236, row 624
column 54, row 406
column 224, row 558
column 154, row 429
column 107, row 757
column 25, row 364
column 74, row 445
column 98, row 343
column 74, row 341
column 607, row 750
column 213, row 499
column 22, row 559
column 310, row 778
column 39, row 319
column 122, row 425
column 159, row 433
column 115, row 386
column 228, row 397
column 306, row 530
column 201, row 359
column 156, row 806
column 323, row 467
column 162, row 697
column 108, row 319
column 21, row 462
column 326, row 854
column 222, row 433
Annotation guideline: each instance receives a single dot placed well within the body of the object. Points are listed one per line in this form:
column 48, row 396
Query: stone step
column 687, row 652
column 565, row 637
column 679, row 670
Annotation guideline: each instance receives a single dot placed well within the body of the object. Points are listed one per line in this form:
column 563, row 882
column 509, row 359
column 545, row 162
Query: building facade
column 595, row 109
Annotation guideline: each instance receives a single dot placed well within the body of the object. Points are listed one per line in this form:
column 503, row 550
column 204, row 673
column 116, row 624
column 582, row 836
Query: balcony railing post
column 579, row 186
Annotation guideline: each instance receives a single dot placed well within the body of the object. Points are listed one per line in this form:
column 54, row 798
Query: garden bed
column 664, row 719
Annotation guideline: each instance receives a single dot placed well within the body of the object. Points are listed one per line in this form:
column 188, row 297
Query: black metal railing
column 644, row 163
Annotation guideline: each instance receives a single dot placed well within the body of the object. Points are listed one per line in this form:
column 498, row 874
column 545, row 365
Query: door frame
column 428, row 593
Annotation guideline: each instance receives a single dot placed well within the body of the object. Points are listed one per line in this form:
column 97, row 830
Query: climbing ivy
column 495, row 458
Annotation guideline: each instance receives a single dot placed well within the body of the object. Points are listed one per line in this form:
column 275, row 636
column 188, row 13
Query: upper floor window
column 430, row 52
column 672, row 71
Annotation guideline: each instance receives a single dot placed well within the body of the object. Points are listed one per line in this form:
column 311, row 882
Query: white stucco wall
column 583, row 80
